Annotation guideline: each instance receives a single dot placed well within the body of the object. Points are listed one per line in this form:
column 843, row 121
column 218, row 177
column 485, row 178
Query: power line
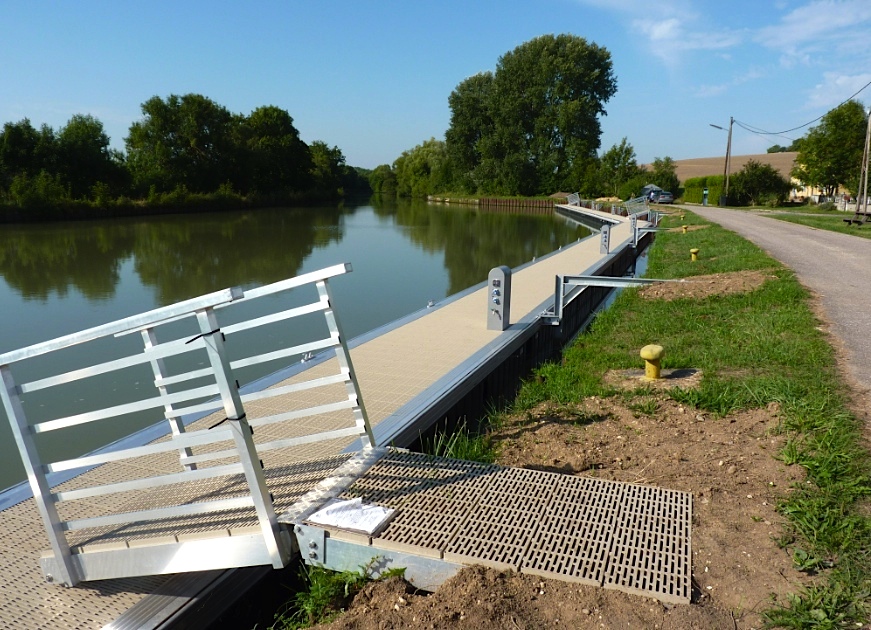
column 762, row 132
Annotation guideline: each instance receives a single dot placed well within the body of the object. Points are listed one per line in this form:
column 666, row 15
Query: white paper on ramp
column 351, row 514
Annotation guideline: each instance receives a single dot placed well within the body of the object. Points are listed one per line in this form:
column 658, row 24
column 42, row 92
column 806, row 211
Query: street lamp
column 724, row 198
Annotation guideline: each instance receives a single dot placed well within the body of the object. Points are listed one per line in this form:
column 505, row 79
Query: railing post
column 343, row 356
column 633, row 226
column 69, row 575
column 149, row 339
column 243, row 437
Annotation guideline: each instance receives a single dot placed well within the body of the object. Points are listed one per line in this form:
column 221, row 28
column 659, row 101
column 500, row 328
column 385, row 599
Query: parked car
column 663, row 196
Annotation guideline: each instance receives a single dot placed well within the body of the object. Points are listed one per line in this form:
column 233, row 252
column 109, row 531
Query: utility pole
column 862, row 201
column 724, row 198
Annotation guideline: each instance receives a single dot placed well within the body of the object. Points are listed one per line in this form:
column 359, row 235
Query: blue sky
column 373, row 78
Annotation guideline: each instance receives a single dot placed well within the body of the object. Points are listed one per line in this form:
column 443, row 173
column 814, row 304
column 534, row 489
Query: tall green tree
column 382, row 179
column 277, row 160
column 327, row 170
column 664, row 174
column 84, row 156
column 471, row 120
column 182, row 141
column 617, row 166
column 533, row 125
column 26, row 151
column 831, row 154
column 423, row 170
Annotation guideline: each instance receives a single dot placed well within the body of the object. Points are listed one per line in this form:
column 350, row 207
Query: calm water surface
column 61, row 278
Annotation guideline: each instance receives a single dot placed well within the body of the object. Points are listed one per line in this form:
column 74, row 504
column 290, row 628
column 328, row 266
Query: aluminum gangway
column 197, row 499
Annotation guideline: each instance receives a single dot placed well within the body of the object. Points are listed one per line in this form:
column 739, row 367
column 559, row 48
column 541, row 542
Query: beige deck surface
column 392, row 369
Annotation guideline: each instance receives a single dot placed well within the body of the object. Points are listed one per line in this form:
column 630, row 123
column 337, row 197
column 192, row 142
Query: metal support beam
column 563, row 299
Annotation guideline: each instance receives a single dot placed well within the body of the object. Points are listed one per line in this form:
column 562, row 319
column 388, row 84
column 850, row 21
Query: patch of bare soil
column 704, row 286
column 728, row 464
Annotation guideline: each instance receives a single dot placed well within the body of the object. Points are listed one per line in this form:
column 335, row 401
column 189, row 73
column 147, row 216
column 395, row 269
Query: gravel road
column 836, row 267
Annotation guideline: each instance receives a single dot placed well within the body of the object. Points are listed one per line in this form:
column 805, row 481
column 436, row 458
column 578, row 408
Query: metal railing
column 225, row 450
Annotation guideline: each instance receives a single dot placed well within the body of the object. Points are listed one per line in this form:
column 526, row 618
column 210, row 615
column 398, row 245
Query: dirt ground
column 728, row 464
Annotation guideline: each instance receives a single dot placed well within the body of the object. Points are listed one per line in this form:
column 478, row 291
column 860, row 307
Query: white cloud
column 835, row 88
column 671, row 38
column 671, row 28
column 820, row 26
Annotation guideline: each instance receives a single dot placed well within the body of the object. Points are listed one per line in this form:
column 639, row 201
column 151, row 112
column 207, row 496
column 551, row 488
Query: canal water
column 57, row 279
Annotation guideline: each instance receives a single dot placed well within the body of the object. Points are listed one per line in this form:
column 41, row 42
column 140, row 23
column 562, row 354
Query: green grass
column 754, row 349
column 325, row 595
column 461, row 444
column 828, row 222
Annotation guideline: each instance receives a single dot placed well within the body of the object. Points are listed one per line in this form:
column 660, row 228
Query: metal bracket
column 312, row 543
column 563, row 299
column 318, row 548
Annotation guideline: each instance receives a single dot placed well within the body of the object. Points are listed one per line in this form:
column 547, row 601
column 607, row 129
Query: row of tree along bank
column 186, row 153
column 529, row 128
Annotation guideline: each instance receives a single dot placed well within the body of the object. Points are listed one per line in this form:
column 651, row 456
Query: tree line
column 530, row 127
column 184, row 149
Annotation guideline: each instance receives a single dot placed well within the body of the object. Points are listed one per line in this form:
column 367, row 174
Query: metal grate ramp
column 618, row 535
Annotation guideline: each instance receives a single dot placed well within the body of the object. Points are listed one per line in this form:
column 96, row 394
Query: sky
column 373, row 78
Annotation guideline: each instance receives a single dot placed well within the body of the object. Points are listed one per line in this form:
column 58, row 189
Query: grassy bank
column 831, row 222
column 754, row 349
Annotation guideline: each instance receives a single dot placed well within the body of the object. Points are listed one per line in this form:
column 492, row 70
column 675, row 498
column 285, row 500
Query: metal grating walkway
column 622, row 536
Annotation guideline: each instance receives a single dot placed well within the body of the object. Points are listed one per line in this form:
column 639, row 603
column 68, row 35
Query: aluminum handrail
column 66, row 565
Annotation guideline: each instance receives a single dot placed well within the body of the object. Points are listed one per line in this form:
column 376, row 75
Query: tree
column 183, row 141
column 327, row 169
column 757, row 183
column 471, row 120
column 26, row 151
column 617, row 166
column 277, row 159
column 84, row 156
column 38, row 192
column 534, row 125
column 831, row 154
column 423, row 170
column 631, row 188
column 383, row 180
column 665, row 174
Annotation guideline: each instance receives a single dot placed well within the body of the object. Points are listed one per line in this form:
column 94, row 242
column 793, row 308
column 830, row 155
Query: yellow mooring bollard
column 694, row 254
column 684, row 228
column 652, row 354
